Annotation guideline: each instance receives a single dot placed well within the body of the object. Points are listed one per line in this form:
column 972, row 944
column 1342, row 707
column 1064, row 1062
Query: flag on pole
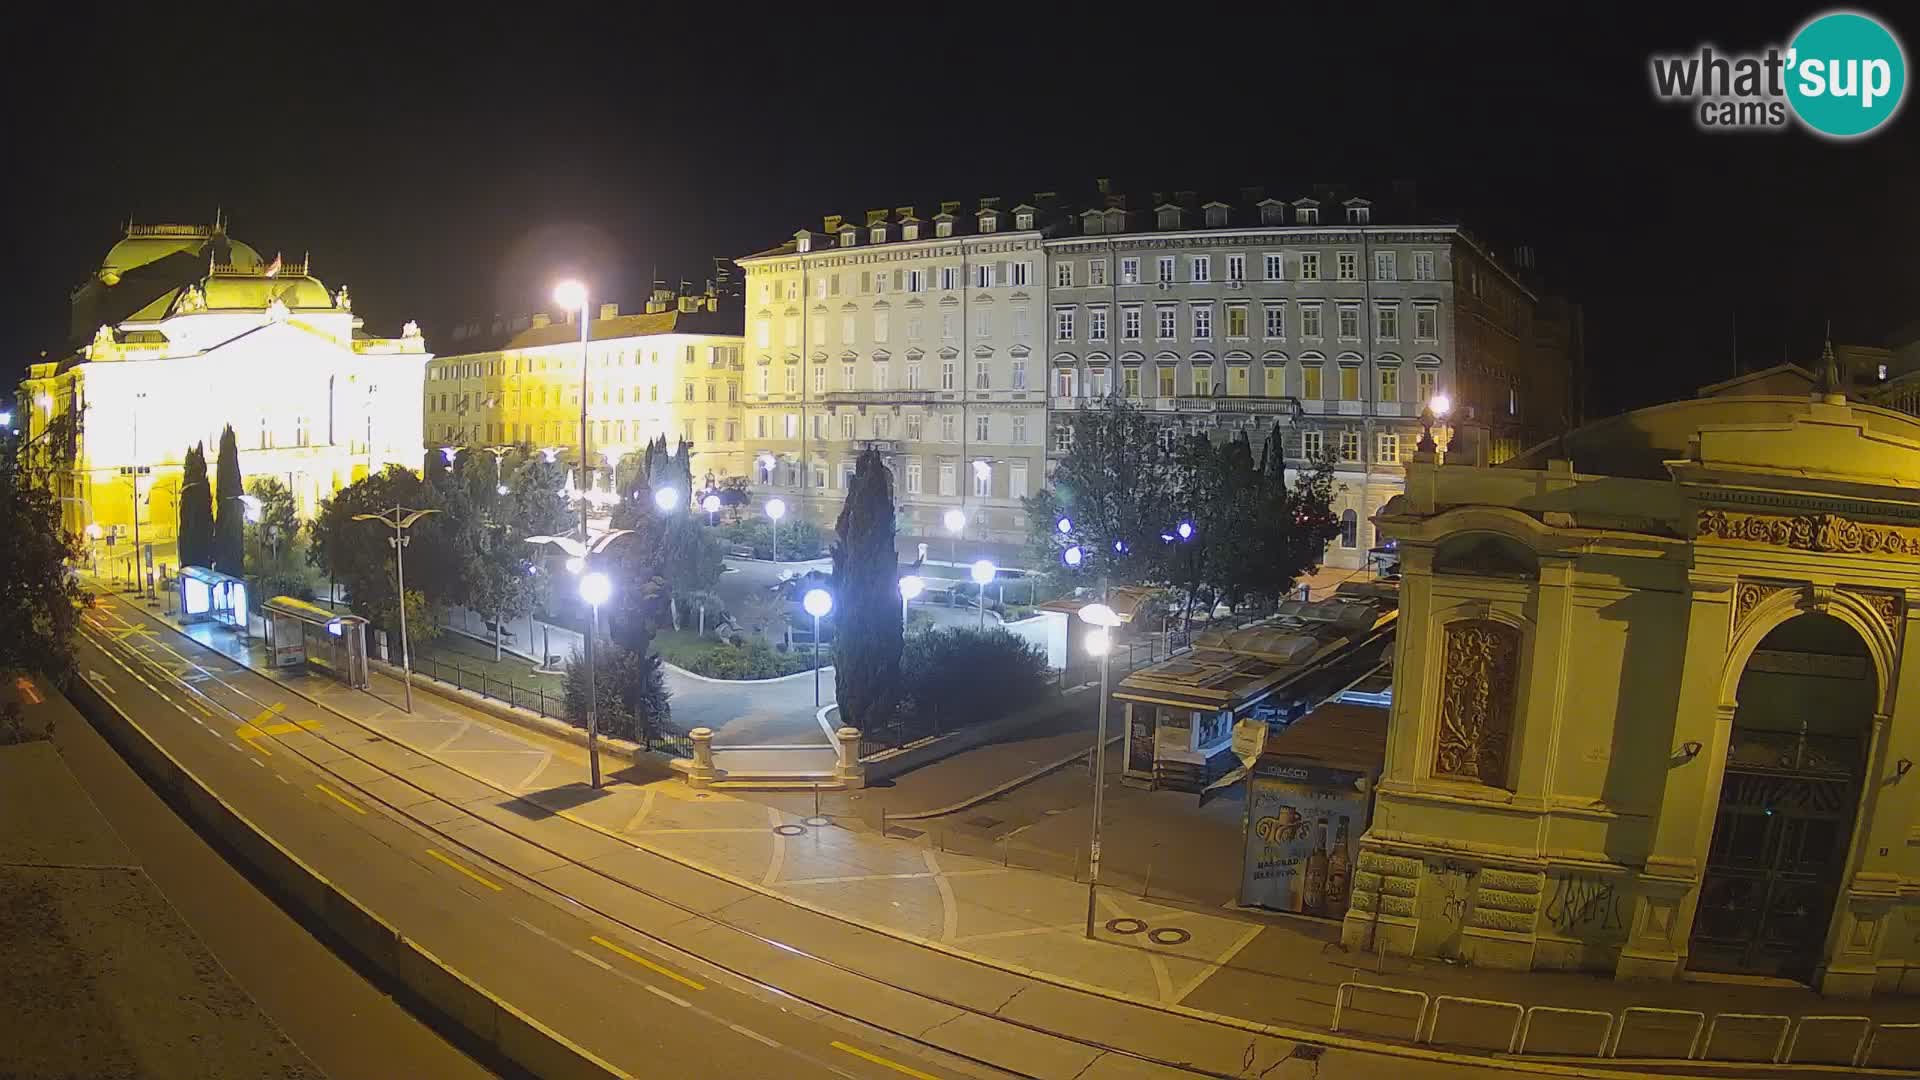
column 273, row 268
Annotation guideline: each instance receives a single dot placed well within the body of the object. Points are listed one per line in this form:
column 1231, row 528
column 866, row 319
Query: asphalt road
column 625, row 998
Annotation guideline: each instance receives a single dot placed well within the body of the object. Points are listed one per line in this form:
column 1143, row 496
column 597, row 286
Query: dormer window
column 1023, row 220
column 1307, row 215
column 1168, row 217
column 879, row 234
column 1216, row 215
column 989, row 223
column 1091, row 223
column 943, row 227
column 1359, row 215
column 849, row 237
column 803, row 243
column 910, row 231
column 1272, row 213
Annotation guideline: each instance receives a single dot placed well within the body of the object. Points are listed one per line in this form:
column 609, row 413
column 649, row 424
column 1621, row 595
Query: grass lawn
column 718, row 660
column 457, row 659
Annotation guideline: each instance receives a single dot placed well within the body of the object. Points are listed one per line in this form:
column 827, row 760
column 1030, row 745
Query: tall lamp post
column 1099, row 643
column 711, row 504
column 499, row 453
column 910, row 587
column 817, row 602
column 400, row 519
column 595, row 588
column 956, row 522
column 572, row 295
column 776, row 509
column 982, row 572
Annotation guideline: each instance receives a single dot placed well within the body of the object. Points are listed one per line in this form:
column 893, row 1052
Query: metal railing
column 547, row 701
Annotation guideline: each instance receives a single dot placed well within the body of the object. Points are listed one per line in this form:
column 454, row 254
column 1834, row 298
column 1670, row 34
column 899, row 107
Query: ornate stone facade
column 1476, row 701
column 1810, row 532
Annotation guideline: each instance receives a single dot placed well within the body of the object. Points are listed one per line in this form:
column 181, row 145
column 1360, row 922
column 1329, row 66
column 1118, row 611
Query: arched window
column 1349, row 529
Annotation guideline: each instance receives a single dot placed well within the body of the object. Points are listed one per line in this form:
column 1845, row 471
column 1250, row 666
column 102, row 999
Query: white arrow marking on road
column 101, row 681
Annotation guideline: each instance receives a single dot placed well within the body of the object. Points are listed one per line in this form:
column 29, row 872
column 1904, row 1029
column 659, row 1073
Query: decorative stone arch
column 1787, row 602
column 1503, row 521
column 1474, row 707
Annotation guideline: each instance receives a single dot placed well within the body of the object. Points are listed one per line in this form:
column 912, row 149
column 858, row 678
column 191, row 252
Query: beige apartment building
column 673, row 369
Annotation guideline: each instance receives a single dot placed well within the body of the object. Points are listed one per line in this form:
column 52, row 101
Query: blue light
column 1065, row 525
column 1185, row 529
column 1072, row 555
column 1119, row 547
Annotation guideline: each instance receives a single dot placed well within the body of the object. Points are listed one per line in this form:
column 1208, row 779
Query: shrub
column 959, row 675
column 631, row 693
column 740, row 658
column 799, row 539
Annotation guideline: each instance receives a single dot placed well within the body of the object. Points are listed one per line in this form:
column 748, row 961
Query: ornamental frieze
column 1749, row 596
column 1827, row 533
column 1481, row 663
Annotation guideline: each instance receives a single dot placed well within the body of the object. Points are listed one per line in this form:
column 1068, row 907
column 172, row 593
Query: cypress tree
column 230, row 514
column 196, row 510
column 866, row 603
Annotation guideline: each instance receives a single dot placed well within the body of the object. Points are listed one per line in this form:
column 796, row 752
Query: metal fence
column 547, row 701
column 1638, row 1031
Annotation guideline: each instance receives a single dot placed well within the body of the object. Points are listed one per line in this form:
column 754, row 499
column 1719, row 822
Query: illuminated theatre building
column 184, row 330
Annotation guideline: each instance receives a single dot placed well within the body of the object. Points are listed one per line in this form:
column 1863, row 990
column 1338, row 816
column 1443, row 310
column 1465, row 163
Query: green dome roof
column 255, row 293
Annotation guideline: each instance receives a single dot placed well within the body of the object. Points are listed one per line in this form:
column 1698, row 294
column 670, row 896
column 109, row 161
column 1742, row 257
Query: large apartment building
column 673, row 369
column 962, row 343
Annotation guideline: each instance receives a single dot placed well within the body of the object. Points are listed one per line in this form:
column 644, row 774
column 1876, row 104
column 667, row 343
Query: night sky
column 448, row 169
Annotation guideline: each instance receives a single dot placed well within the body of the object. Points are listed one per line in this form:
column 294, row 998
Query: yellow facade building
column 673, row 369
column 1652, row 709
column 190, row 331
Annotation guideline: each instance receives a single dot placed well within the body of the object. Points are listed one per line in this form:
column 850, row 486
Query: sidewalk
column 1270, row 970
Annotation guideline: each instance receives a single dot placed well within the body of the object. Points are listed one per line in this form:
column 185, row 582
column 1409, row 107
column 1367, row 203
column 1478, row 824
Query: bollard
column 703, row 773
column 847, row 769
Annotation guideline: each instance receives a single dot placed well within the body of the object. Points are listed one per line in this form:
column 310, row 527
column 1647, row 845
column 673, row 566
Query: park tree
column 272, row 541
column 229, row 512
column 866, row 586
column 670, row 549
column 196, row 510
column 39, row 596
column 1115, row 484
column 357, row 553
column 632, row 699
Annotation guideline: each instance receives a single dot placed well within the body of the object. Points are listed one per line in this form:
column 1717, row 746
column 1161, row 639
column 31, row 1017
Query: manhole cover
column 1126, row 926
column 1169, row 935
column 983, row 822
column 789, row 830
column 905, row 833
column 817, row 822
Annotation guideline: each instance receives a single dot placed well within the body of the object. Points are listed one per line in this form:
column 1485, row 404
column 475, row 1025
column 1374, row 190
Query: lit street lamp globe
column 576, row 564
column 711, row 504
column 94, row 531
column 817, row 602
column 955, row 521
column 1100, row 615
column 571, row 295
column 1185, row 529
column 595, row 588
column 1441, row 405
column 1064, row 525
column 911, row 586
column 776, row 509
column 1098, row 642
column 666, row 498
column 1072, row 556
column 983, row 571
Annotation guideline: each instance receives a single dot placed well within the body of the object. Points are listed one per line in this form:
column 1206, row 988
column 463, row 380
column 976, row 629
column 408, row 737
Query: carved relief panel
column 1477, row 689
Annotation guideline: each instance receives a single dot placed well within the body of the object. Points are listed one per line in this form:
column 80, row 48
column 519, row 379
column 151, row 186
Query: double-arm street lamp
column 400, row 519
column 595, row 589
column 1099, row 643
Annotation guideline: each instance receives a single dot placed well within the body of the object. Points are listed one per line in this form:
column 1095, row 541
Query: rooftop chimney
column 832, row 223
column 950, row 207
column 609, row 311
column 877, row 217
column 1103, row 185
column 540, row 319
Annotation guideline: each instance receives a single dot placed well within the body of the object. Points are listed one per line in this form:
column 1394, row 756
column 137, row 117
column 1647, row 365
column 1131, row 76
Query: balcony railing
column 879, row 397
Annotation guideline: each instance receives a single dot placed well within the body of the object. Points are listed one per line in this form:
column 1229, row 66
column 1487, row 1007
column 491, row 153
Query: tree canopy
column 196, row 510
column 229, row 512
column 866, row 577
column 39, row 596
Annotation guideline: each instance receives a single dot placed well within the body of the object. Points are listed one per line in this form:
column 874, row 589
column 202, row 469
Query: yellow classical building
column 191, row 330
column 673, row 369
column 1652, row 712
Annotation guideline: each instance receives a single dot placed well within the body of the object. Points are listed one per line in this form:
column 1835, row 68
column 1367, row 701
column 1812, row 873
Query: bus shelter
column 300, row 634
column 210, row 596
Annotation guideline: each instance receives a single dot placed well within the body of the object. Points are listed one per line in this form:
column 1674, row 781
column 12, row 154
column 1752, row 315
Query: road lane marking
column 646, row 963
column 752, row 1034
column 494, row 885
column 260, row 763
column 27, row 690
column 682, row 1002
column 100, row 681
column 878, row 1060
column 341, row 799
column 529, row 926
column 592, row 959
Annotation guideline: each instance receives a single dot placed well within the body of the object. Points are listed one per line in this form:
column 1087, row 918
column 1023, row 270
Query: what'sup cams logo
column 1843, row 76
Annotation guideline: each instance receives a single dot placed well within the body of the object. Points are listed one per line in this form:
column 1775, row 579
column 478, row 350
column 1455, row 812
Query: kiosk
column 300, row 634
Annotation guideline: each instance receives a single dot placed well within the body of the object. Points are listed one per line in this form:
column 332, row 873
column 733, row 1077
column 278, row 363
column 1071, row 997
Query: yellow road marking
column 26, row 688
column 341, row 799
column 646, row 963
column 495, row 886
column 878, row 1060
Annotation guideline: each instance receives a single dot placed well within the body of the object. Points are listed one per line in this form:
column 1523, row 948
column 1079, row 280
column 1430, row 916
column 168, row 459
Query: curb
column 1018, row 781
column 487, row 1018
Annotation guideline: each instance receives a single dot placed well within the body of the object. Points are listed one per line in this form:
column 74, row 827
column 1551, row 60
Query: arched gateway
column 1650, row 708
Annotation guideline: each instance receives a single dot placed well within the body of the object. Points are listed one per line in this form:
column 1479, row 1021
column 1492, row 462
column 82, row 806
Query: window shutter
column 899, row 280
column 866, row 281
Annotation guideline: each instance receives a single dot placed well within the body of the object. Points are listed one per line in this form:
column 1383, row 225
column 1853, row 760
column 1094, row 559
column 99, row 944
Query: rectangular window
column 1130, row 324
column 983, row 482
column 1309, row 266
column 1276, row 381
column 1203, row 380
column 1200, row 268
column 949, row 278
column 1423, row 266
column 947, row 479
column 1386, row 323
column 1019, row 374
column 1273, row 267
column 1163, row 380
column 1062, row 438
column 1018, row 436
column 981, row 378
column 1203, row 322
column 913, row 374
column 1276, row 322
column 881, row 322
column 879, row 376
column 1348, row 266
column 1096, row 272
column 760, row 426
column 1017, row 480
column 793, row 379
column 1097, row 324
column 916, row 281
column 983, row 276
column 947, row 327
column 1130, row 380
column 1310, row 321
column 1063, row 275
column 1424, row 381
column 1387, row 448
column 1426, row 323
column 1168, row 318
column 689, row 391
column 1064, row 382
column 793, row 330
column 733, row 431
column 793, row 425
column 1350, row 382
column 1236, row 268
column 913, row 476
column 1020, row 323
column 1097, row 382
column 710, row 431
column 1383, row 269
column 846, row 426
column 1166, row 268
column 1310, row 387
column 1020, row 270
column 1389, row 384
column 819, row 426
column 1130, row 271
column 1349, row 322
column 1311, row 445
column 983, row 325
column 949, row 428
column 846, row 377
column 947, row 376
column 1349, row 445
column 1236, row 320
column 913, row 425
column 762, row 332
column 1063, row 324
column 981, row 429
column 819, row 378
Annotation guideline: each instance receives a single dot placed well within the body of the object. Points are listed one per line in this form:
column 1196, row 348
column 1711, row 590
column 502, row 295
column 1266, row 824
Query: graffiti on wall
column 1584, row 905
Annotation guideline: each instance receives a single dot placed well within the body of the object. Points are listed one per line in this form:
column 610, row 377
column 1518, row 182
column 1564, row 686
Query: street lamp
column 776, row 509
column 572, row 296
column 1099, row 643
column 400, row 519
column 956, row 522
column 666, row 499
column 983, row 572
column 817, row 602
column 595, row 588
column 711, row 504
column 910, row 587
